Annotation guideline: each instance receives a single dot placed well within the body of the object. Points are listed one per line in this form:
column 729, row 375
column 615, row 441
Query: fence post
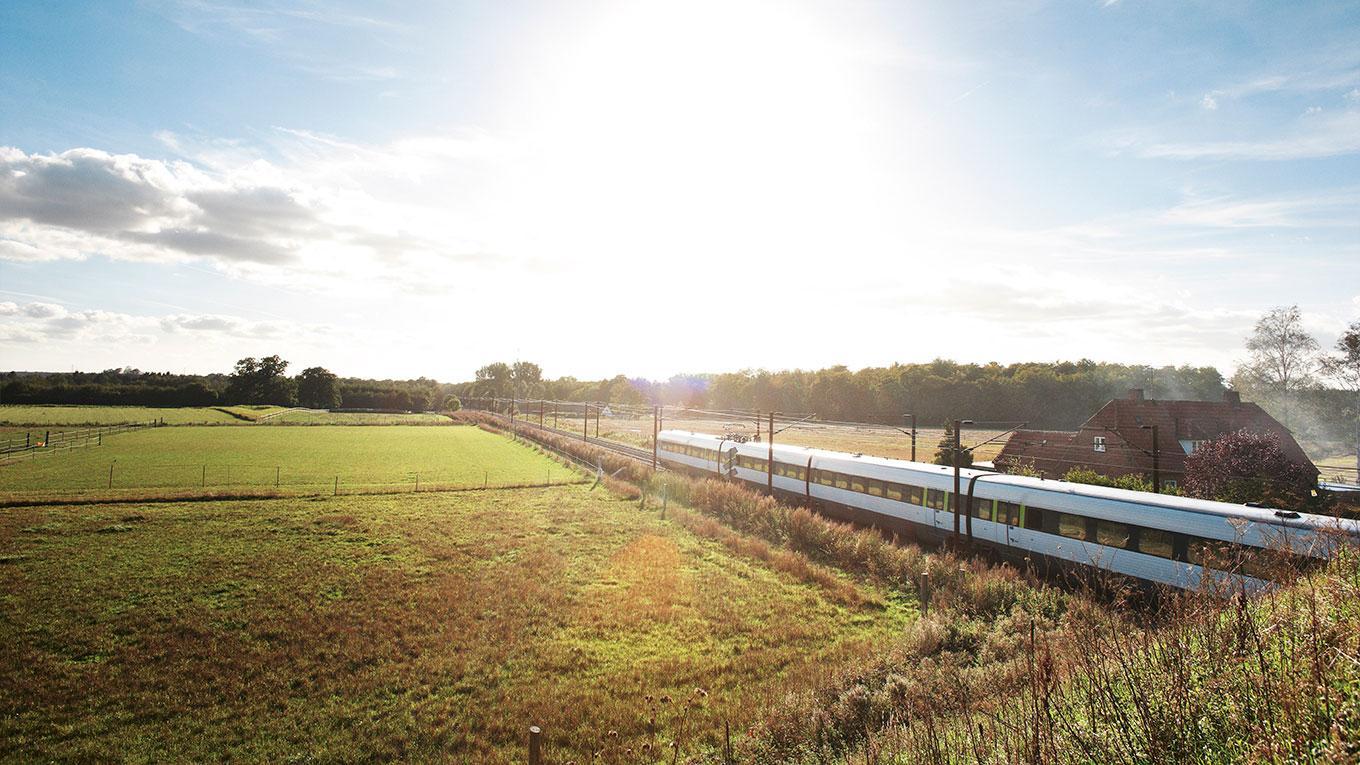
column 336, row 492
column 276, row 476
column 111, row 474
column 535, row 745
column 925, row 593
column 203, row 483
column 417, row 480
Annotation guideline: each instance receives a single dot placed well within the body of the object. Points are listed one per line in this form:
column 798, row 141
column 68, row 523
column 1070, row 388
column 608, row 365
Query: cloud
column 108, row 200
column 1322, row 137
column 1209, row 102
column 333, row 211
column 1334, row 209
column 43, row 311
column 40, row 320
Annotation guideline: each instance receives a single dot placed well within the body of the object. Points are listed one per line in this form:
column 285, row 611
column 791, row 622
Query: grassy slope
column 368, row 628
column 110, row 415
column 312, row 457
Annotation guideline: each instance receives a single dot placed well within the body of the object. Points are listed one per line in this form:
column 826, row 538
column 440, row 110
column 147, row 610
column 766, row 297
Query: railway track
column 633, row 452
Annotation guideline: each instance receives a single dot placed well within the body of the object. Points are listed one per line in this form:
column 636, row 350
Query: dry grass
column 434, row 627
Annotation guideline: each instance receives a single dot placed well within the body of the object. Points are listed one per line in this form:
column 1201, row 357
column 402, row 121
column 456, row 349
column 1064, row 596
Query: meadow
column 323, row 417
column 431, row 627
column 296, row 459
column 66, row 416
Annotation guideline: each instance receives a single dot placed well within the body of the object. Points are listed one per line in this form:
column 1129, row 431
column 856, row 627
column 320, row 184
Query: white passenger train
column 1151, row 537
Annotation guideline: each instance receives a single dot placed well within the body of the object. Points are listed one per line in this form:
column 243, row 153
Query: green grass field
column 424, row 627
column 110, row 415
column 302, row 459
column 319, row 417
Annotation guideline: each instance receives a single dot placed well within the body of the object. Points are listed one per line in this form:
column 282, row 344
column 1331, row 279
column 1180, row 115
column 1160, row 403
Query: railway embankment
column 1002, row 667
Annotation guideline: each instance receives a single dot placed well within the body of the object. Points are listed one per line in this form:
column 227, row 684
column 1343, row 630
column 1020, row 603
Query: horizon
column 723, row 186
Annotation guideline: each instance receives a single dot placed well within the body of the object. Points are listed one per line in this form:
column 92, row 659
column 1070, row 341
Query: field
column 15, row 416
column 880, row 441
column 298, row 459
column 322, row 417
column 428, row 627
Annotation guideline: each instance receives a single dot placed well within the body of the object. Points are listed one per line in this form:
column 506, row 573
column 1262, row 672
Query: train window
column 802, row 474
column 825, row 477
column 1112, row 534
column 895, row 491
column 842, row 481
column 982, row 508
column 1033, row 517
column 1156, row 542
column 935, row 499
column 916, row 495
column 1007, row 513
column 874, row 487
column 857, row 484
column 1071, row 526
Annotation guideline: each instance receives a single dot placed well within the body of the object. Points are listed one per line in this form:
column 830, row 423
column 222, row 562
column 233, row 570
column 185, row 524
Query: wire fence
column 35, row 443
column 633, row 424
column 119, row 479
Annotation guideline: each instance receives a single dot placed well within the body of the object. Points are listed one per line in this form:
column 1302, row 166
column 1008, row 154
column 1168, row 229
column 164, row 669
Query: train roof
column 1269, row 516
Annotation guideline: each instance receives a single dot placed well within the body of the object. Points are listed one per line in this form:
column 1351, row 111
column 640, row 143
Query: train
column 1156, row 539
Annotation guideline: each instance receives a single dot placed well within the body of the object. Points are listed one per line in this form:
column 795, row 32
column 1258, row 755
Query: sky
column 398, row 189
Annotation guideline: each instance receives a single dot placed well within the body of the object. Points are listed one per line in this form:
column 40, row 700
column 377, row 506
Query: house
column 1117, row 440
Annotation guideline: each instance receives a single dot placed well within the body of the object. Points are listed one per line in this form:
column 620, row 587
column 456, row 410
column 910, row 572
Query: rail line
column 633, row 452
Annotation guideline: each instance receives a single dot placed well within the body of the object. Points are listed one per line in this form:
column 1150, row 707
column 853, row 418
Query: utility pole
column 1156, row 459
column 540, row 413
column 955, row 459
column 585, row 422
column 958, row 426
column 769, row 475
column 912, row 417
column 598, row 410
column 656, row 429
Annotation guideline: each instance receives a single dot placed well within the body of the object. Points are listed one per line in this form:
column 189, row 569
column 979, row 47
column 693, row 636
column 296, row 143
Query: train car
column 1154, row 538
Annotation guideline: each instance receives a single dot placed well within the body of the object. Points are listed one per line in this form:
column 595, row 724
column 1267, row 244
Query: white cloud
column 1209, row 102
column 43, row 311
column 1323, row 137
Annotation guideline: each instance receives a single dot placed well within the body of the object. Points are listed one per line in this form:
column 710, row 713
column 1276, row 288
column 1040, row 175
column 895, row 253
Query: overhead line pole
column 769, row 468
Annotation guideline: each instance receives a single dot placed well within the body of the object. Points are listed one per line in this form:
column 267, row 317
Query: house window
column 1098, row 443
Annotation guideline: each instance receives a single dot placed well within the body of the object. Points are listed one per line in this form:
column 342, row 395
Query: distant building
column 1116, row 440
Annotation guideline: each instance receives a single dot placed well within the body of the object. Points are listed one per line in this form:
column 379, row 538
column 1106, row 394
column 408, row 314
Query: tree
column 317, row 388
column 452, row 403
column 945, row 454
column 526, row 376
column 495, row 379
column 260, row 381
column 1344, row 369
column 1281, row 356
column 1247, row 467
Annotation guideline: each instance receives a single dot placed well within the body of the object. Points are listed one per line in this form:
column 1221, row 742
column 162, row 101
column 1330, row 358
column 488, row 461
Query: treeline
column 133, row 387
column 1047, row 395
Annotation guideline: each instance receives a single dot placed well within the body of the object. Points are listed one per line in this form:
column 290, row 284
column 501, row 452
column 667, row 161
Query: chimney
column 1232, row 397
column 1135, row 394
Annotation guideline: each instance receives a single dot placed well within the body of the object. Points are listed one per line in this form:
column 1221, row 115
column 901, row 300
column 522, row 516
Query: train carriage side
column 1149, row 537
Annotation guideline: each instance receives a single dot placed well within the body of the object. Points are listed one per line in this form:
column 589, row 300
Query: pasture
column 323, row 417
column 68, row 416
column 296, row 459
column 424, row 627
